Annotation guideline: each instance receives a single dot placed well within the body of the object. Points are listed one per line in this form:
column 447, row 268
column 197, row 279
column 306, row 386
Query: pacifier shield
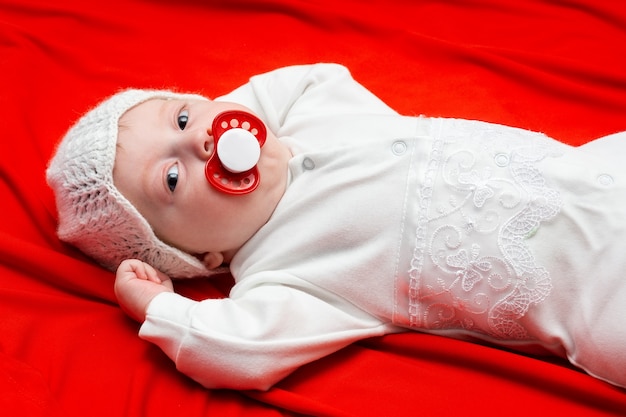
column 238, row 138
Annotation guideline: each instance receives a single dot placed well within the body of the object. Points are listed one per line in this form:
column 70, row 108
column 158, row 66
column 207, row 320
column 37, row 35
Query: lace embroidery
column 482, row 198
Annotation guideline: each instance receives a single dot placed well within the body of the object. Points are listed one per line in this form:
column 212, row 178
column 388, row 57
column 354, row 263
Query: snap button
column 501, row 159
column 605, row 179
column 398, row 147
column 308, row 164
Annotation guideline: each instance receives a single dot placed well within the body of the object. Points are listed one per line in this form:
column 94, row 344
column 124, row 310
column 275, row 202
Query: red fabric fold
column 555, row 67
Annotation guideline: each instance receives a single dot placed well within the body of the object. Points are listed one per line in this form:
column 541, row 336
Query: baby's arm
column 136, row 284
column 302, row 90
column 256, row 339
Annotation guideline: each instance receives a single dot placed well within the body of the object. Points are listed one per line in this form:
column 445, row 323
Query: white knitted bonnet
column 93, row 215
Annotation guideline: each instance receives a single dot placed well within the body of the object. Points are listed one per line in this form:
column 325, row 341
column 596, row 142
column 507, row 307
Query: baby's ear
column 212, row 260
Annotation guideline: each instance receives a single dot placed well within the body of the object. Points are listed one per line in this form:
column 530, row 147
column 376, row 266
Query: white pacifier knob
column 238, row 150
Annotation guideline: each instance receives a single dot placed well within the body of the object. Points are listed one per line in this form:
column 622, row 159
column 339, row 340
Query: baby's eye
column 172, row 177
column 183, row 118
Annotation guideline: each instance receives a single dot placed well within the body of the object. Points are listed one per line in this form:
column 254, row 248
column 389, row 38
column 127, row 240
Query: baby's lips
column 238, row 137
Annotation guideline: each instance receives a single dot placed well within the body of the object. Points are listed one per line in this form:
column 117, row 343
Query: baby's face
column 163, row 146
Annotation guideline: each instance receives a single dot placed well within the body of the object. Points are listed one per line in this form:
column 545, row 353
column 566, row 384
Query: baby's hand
column 136, row 284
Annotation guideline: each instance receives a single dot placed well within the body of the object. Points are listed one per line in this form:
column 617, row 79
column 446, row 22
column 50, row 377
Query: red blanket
column 553, row 66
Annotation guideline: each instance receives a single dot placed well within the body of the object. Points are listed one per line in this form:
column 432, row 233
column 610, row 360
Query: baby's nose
column 208, row 144
column 200, row 142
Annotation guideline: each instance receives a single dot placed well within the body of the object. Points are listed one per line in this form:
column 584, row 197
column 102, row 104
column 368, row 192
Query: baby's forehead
column 144, row 111
column 149, row 103
column 154, row 103
column 155, row 107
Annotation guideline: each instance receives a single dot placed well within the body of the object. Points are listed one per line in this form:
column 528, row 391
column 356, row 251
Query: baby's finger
column 152, row 274
column 134, row 267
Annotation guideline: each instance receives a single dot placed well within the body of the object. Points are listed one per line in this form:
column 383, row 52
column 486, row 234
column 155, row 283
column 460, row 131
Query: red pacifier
column 238, row 137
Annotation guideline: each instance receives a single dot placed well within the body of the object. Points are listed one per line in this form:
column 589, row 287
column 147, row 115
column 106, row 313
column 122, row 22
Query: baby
column 364, row 222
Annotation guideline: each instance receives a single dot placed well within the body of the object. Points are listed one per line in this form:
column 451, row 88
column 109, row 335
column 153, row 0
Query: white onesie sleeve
column 255, row 340
column 301, row 90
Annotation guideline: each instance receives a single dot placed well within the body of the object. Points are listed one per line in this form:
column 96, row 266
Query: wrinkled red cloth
column 68, row 350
